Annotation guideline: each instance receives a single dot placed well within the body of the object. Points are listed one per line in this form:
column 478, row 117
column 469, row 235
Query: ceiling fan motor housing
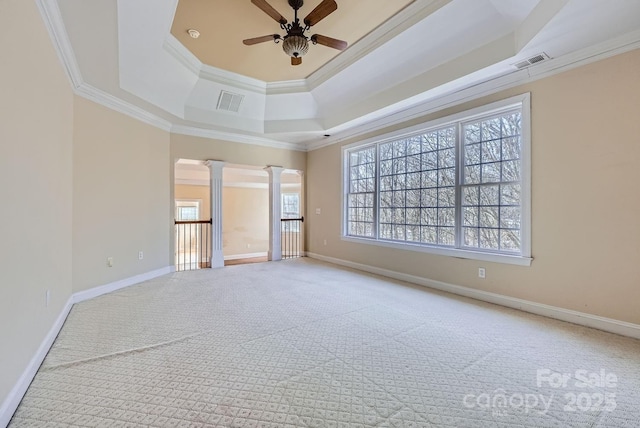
column 296, row 42
column 295, row 46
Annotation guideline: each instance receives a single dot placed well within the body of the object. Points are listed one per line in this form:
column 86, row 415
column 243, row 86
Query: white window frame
column 189, row 203
column 286, row 194
column 522, row 102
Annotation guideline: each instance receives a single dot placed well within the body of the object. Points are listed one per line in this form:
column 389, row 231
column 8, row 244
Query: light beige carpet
column 306, row 344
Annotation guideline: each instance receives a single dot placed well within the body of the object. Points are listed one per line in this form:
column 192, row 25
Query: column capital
column 215, row 164
column 274, row 171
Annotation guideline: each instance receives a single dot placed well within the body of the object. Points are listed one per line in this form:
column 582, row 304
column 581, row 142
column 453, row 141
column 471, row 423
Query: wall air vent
column 531, row 61
column 229, row 101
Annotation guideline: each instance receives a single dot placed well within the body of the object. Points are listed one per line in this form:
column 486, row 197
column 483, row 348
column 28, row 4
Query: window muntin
column 472, row 190
column 491, row 184
column 290, row 205
column 290, row 209
column 417, row 188
column 362, row 191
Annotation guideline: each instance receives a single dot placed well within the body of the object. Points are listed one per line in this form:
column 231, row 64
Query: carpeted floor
column 302, row 343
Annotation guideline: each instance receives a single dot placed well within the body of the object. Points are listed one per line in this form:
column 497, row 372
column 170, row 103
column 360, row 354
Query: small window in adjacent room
column 291, row 209
column 290, row 205
column 187, row 210
column 459, row 186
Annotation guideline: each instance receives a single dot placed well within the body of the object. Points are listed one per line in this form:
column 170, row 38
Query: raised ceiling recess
column 224, row 24
column 405, row 59
column 296, row 41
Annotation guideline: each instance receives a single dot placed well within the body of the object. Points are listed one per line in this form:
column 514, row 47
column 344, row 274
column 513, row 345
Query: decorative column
column 275, row 212
column 215, row 187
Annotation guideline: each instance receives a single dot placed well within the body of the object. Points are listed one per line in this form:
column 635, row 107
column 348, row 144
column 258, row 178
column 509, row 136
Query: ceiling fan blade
column 269, row 10
column 256, row 40
column 329, row 42
column 296, row 60
column 324, row 9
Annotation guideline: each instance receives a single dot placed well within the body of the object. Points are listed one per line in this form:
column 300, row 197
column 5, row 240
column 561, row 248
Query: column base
column 274, row 257
column 217, row 259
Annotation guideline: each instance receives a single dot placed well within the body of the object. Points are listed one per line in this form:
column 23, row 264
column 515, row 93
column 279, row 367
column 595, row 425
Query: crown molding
column 55, row 25
column 607, row 49
column 287, row 87
column 235, row 80
column 616, row 46
column 52, row 18
column 407, row 17
column 403, row 20
column 114, row 103
column 178, row 51
column 235, row 138
column 184, row 56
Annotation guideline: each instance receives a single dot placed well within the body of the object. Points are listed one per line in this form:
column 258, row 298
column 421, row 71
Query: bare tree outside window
column 417, row 188
column 491, row 183
column 362, row 191
column 458, row 186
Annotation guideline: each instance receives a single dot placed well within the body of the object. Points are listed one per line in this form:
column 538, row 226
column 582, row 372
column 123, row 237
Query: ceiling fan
column 295, row 42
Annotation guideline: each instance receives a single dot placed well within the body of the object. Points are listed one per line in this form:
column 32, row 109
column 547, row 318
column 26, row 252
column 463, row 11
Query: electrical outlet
column 140, row 255
column 325, row 242
column 248, row 245
column 109, row 261
column 482, row 273
column 318, row 211
column 47, row 298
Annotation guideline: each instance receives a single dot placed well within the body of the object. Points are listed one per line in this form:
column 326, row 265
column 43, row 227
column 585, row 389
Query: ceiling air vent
column 229, row 101
column 530, row 61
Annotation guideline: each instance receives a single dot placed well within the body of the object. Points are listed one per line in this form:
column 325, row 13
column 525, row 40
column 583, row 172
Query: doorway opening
column 245, row 222
column 192, row 218
column 291, row 219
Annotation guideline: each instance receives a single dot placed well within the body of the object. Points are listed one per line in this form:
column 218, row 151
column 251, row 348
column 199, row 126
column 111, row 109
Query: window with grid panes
column 362, row 192
column 456, row 186
column 417, row 188
column 491, row 183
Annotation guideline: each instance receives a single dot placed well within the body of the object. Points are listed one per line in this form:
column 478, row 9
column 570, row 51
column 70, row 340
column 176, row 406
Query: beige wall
column 245, row 216
column 245, row 220
column 585, row 199
column 196, row 148
column 121, row 202
column 188, row 147
column 36, row 130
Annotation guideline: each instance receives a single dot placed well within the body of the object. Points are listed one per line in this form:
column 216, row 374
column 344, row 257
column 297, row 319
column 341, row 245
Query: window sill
column 450, row 252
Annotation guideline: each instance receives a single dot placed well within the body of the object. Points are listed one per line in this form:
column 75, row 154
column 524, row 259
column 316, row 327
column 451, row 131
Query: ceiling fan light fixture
column 295, row 46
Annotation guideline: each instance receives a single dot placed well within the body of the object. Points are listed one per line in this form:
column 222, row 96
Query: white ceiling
column 432, row 53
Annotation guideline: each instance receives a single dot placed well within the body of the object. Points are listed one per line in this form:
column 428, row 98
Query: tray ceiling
column 223, row 24
column 425, row 55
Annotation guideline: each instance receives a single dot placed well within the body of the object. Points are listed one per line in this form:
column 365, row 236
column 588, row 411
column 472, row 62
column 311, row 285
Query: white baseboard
column 588, row 320
column 12, row 401
column 245, row 256
column 81, row 296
